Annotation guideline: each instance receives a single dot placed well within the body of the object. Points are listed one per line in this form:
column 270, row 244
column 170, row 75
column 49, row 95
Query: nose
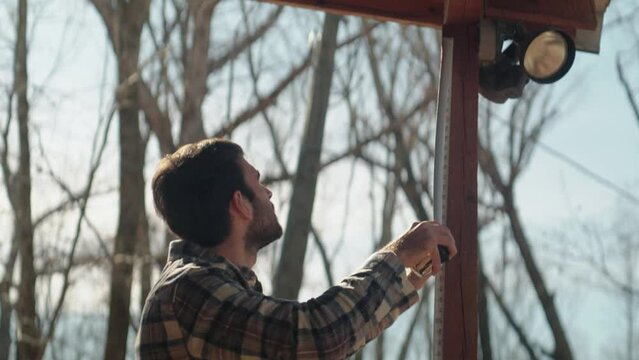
column 269, row 193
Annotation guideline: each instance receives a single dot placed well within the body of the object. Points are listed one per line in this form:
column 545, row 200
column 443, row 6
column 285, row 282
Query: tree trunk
column 630, row 94
column 489, row 166
column 144, row 239
column 402, row 157
column 28, row 326
column 5, row 320
column 388, row 210
column 6, row 307
column 483, row 318
column 291, row 266
column 562, row 347
column 521, row 335
column 403, row 352
column 379, row 347
column 630, row 301
column 131, row 184
column 125, row 26
column 196, row 71
column 144, row 252
column 388, row 213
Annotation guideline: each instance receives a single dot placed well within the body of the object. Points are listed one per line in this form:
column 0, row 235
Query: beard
column 264, row 229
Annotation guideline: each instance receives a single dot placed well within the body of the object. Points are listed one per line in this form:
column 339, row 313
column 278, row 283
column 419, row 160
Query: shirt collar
column 189, row 251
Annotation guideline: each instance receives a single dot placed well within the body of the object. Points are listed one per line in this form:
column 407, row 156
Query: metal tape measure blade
column 441, row 176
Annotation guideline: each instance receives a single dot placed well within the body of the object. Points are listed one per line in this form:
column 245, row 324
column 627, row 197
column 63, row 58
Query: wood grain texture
column 462, row 11
column 461, row 280
column 416, row 12
column 568, row 14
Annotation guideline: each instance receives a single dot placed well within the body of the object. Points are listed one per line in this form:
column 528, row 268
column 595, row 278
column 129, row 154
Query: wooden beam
column 422, row 12
column 462, row 11
column 461, row 278
column 567, row 14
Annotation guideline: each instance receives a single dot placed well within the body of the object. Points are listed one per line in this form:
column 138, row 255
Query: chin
column 274, row 236
column 265, row 236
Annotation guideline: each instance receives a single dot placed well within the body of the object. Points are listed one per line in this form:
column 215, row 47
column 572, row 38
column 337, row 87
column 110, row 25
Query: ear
column 241, row 206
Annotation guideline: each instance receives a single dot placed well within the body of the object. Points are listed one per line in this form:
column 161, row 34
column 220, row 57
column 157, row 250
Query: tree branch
column 72, row 199
column 266, row 101
column 272, row 96
column 4, row 151
column 159, row 122
column 521, row 335
column 241, row 45
column 356, row 150
column 84, row 201
column 409, row 184
column 106, row 13
column 413, row 324
column 325, row 259
column 628, row 89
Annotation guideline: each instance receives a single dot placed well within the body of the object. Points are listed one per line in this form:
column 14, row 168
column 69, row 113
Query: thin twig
column 83, row 206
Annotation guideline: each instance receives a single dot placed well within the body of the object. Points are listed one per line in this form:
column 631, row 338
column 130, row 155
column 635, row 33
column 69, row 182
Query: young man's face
column 264, row 229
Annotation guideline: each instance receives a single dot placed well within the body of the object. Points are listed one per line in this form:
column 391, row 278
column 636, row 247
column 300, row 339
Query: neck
column 234, row 249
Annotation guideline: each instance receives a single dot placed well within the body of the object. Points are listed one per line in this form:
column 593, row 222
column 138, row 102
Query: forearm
column 371, row 298
column 333, row 325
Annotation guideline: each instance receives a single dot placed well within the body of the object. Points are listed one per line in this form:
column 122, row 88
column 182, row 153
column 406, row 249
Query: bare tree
column 167, row 101
column 483, row 313
column 82, row 200
column 39, row 326
column 627, row 60
column 617, row 273
column 525, row 126
column 400, row 111
column 19, row 193
column 388, row 215
column 197, row 65
column 169, row 83
column 629, row 242
column 392, row 73
column 291, row 266
column 124, row 21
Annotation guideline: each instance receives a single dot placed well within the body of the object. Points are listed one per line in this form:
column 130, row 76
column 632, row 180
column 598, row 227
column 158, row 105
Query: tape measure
column 441, row 181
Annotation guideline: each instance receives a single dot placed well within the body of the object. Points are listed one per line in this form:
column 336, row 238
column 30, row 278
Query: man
column 208, row 304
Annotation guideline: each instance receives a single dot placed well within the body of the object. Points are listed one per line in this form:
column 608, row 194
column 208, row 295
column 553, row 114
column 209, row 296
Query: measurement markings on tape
column 441, row 182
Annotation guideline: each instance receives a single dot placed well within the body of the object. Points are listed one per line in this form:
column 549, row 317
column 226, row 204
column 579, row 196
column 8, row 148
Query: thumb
column 416, row 280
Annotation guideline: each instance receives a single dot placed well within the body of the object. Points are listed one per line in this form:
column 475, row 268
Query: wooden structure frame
column 459, row 21
column 568, row 14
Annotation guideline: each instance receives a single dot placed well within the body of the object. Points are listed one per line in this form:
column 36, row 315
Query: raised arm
column 332, row 326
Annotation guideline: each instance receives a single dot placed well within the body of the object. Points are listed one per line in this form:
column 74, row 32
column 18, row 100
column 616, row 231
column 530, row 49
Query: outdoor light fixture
column 510, row 56
column 548, row 56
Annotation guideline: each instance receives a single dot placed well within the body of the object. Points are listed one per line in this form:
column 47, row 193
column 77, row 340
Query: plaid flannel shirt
column 205, row 307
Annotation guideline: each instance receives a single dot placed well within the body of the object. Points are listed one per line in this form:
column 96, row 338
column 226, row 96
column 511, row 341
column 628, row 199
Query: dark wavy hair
column 192, row 189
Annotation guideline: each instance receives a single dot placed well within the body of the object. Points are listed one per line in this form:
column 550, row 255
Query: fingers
column 450, row 244
column 416, row 279
column 452, row 248
column 419, row 245
column 436, row 262
column 436, row 234
column 442, row 236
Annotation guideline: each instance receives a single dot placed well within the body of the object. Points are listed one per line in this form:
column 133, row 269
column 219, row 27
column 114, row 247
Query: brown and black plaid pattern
column 204, row 307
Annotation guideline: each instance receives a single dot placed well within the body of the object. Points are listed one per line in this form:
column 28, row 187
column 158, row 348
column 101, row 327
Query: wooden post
column 460, row 294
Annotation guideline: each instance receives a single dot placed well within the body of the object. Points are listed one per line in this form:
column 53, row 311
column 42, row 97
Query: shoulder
column 191, row 281
column 185, row 291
